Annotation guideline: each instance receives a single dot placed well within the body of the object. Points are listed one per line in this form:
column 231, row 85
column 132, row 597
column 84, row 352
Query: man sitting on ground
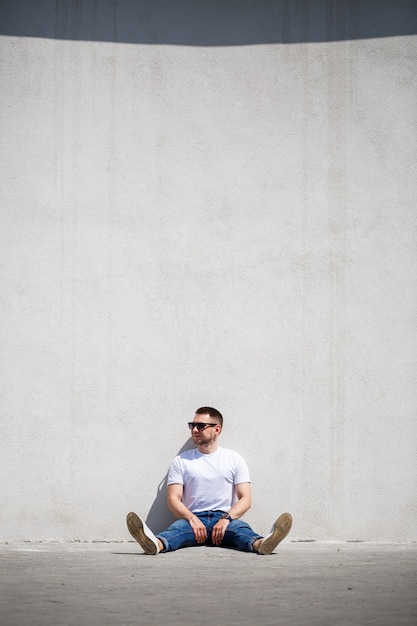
column 208, row 491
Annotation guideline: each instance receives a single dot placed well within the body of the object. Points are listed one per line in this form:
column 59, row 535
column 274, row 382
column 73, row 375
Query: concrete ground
column 116, row 584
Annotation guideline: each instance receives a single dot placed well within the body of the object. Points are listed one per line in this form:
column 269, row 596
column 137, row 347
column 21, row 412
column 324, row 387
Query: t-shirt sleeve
column 241, row 471
column 175, row 475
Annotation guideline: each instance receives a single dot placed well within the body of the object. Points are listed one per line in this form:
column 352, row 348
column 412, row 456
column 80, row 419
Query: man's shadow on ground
column 159, row 516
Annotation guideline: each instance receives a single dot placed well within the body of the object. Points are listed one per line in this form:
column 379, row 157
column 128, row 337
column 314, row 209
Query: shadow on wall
column 159, row 516
column 203, row 23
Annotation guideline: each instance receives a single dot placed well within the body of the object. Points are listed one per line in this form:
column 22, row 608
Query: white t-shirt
column 208, row 479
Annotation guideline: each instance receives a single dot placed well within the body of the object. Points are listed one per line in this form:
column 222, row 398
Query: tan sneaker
column 143, row 535
column 280, row 530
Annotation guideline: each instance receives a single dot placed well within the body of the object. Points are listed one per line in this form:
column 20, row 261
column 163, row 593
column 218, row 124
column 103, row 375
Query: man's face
column 208, row 434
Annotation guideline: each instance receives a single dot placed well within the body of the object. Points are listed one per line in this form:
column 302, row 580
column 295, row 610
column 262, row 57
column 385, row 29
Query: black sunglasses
column 199, row 425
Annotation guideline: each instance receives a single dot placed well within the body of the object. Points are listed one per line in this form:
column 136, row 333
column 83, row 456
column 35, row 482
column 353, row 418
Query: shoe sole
column 137, row 530
column 280, row 530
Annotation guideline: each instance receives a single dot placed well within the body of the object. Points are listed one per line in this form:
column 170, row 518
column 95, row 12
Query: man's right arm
column 175, row 503
column 178, row 508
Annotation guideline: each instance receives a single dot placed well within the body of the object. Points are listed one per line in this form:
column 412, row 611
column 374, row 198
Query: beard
column 203, row 439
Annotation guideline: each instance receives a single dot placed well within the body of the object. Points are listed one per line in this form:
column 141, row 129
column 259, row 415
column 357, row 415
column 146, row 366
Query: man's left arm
column 242, row 504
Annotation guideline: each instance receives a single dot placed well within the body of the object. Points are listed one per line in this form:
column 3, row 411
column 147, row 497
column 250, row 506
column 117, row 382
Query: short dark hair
column 204, row 410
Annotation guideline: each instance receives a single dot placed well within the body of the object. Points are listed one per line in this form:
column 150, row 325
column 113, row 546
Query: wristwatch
column 226, row 516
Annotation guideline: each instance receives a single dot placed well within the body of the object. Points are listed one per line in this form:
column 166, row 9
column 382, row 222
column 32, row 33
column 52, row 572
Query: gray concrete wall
column 212, row 204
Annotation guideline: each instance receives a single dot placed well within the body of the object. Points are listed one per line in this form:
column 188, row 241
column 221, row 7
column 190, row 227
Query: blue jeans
column 239, row 535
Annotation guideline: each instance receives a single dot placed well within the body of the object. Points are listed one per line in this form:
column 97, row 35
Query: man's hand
column 218, row 531
column 199, row 530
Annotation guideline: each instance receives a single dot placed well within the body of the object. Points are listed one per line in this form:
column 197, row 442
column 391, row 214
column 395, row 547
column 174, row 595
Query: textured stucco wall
column 232, row 225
